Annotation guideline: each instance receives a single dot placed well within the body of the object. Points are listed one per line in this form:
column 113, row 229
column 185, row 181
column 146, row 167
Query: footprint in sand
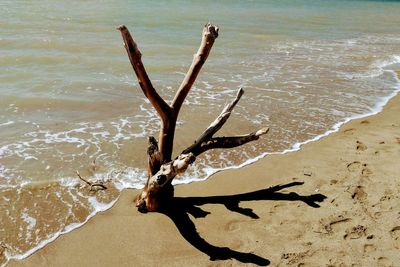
column 353, row 166
column 395, row 234
column 366, row 172
column 356, row 232
column 359, row 193
column 384, row 262
column 349, row 131
column 356, row 166
column 332, row 224
column 232, row 226
column 368, row 248
column 296, row 258
column 361, row 146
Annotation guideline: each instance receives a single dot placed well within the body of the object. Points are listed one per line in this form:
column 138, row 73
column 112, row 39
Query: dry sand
column 264, row 213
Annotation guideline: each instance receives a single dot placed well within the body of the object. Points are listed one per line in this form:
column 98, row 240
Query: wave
column 121, row 130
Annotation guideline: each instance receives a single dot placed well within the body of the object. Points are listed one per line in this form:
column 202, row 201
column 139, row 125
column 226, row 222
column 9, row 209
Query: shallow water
column 69, row 100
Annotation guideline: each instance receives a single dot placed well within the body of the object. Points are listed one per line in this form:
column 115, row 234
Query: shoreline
column 380, row 105
column 214, row 185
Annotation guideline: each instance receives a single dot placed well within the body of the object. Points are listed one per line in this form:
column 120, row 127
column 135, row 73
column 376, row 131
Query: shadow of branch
column 181, row 207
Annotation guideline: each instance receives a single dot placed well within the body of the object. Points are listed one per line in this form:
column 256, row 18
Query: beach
column 335, row 202
column 72, row 107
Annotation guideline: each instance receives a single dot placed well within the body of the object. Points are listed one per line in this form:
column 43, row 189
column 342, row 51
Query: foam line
column 98, row 208
column 295, row 147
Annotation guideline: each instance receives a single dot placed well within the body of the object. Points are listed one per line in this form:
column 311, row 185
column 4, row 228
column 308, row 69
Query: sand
column 335, row 202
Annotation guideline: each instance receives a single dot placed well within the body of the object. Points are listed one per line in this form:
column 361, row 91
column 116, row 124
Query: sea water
column 69, row 99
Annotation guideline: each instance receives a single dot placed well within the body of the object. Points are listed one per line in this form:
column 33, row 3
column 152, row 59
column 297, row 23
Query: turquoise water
column 68, row 95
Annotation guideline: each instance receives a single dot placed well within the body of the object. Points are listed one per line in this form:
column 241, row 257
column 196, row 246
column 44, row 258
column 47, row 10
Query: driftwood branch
column 135, row 58
column 206, row 141
column 93, row 186
column 161, row 169
column 166, row 113
column 229, row 142
column 168, row 171
column 216, row 125
column 210, row 33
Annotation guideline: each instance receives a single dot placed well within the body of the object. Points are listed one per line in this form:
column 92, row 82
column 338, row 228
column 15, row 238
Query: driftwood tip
column 262, row 131
column 240, row 92
column 121, row 27
column 211, row 30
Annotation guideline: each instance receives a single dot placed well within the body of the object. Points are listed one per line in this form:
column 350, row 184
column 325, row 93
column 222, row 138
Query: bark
column 154, row 156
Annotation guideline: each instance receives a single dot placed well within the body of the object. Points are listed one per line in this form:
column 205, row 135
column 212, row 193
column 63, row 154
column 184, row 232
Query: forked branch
column 206, row 141
column 161, row 169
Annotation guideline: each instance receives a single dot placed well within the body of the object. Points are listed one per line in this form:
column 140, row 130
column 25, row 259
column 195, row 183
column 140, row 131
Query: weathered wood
column 229, row 142
column 135, row 58
column 216, row 125
column 166, row 113
column 168, row 171
column 210, row 33
column 94, row 187
column 161, row 169
column 154, row 156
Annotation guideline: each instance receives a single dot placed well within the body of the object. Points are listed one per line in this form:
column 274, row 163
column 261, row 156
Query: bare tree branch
column 210, row 33
column 135, row 58
column 229, row 142
column 93, row 186
column 217, row 124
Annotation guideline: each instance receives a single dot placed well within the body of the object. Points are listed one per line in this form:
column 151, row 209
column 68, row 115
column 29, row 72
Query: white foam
column 29, row 220
column 69, row 181
column 297, row 146
column 129, row 178
column 98, row 207
column 135, row 178
column 7, row 123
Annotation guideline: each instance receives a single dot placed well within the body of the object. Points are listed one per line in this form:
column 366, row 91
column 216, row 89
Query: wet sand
column 335, row 202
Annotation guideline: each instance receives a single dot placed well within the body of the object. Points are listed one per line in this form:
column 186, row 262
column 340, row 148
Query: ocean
column 70, row 101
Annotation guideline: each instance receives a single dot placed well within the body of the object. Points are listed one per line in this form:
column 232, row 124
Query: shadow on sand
column 181, row 207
